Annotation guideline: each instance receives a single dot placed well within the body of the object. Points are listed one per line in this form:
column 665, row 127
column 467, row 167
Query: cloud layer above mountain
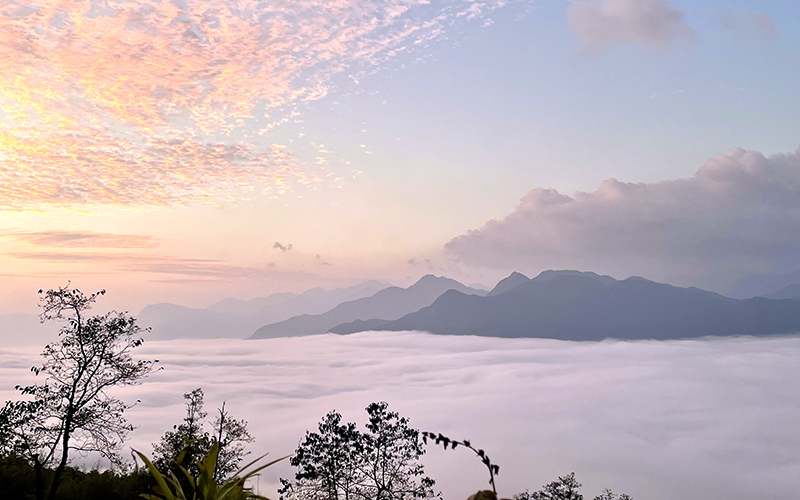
column 658, row 420
column 739, row 214
column 169, row 102
column 645, row 22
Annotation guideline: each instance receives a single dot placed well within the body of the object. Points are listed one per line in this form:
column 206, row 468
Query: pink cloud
column 77, row 239
column 739, row 214
column 147, row 103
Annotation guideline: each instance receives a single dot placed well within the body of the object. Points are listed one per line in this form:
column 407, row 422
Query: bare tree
column 71, row 410
column 230, row 435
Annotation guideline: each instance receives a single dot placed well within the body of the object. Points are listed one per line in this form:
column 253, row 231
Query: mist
column 659, row 420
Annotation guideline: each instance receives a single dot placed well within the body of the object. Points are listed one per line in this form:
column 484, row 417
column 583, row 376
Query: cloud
column 599, row 23
column 65, row 169
column 748, row 23
column 657, row 420
column 196, row 269
column 282, row 248
column 169, row 103
column 73, row 239
column 739, row 214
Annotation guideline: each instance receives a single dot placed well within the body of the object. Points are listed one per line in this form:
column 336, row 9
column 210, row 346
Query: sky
column 707, row 418
column 191, row 150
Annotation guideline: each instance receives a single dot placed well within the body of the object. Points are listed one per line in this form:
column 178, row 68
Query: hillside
column 387, row 304
column 577, row 306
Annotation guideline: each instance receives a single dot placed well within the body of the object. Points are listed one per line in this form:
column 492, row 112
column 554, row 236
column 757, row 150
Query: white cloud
column 739, row 214
column 646, row 22
column 658, row 420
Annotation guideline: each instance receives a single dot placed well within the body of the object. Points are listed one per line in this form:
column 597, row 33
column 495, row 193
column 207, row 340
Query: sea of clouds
column 709, row 418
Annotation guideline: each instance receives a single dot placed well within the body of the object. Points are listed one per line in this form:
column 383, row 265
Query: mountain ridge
column 235, row 318
column 580, row 307
column 389, row 303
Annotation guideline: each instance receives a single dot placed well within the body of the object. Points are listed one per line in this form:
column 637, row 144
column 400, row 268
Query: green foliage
column 203, row 486
column 341, row 462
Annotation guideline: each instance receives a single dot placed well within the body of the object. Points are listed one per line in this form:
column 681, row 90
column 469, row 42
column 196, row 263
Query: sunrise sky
column 190, row 150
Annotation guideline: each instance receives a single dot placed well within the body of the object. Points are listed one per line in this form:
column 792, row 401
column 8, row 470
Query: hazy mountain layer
column 233, row 318
column 577, row 306
column 790, row 292
column 252, row 306
column 26, row 329
column 389, row 303
column 763, row 285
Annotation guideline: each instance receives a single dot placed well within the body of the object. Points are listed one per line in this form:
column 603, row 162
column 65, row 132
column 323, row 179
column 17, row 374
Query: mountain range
column 233, row 318
column 388, row 304
column 571, row 305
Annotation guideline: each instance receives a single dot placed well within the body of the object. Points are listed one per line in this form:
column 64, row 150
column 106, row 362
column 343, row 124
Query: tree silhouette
column 340, row 462
column 445, row 441
column 189, row 441
column 71, row 410
column 566, row 488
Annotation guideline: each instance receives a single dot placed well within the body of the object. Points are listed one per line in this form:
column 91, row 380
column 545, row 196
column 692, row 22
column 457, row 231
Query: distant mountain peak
column 552, row 273
column 386, row 305
column 513, row 280
column 430, row 278
column 516, row 279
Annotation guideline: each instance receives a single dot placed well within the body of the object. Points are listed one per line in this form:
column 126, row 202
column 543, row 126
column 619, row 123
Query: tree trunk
column 38, row 479
column 64, row 457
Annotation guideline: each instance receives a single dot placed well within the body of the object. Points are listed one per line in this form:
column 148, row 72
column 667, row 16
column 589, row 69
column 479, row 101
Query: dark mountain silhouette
column 580, row 306
column 233, row 318
column 516, row 279
column 389, row 303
